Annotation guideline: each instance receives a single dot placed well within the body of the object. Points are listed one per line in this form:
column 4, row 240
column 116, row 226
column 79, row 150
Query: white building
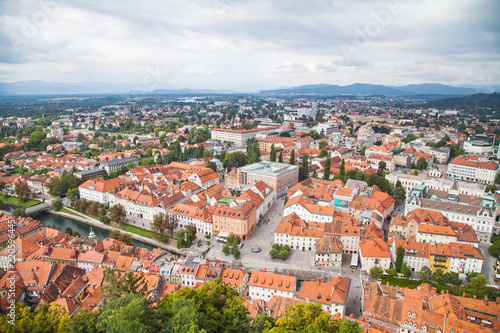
column 374, row 252
column 97, row 189
column 185, row 215
column 473, row 169
column 479, row 213
column 307, row 210
column 416, row 254
column 264, row 285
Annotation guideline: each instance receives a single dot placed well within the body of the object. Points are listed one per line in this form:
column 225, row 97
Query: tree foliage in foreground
column 213, row 308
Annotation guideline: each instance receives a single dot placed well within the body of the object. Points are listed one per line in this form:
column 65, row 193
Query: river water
column 63, row 222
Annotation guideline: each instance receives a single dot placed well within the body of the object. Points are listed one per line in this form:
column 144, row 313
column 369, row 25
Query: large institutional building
column 478, row 212
column 239, row 137
column 279, row 176
column 474, row 169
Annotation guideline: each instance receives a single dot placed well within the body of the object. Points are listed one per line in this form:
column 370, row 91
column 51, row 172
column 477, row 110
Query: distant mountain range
column 61, row 88
column 373, row 89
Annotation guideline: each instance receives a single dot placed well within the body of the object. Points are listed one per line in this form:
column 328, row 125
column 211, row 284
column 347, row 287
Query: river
column 63, row 222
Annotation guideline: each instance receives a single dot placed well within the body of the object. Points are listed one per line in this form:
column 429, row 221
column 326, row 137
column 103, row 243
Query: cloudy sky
column 251, row 44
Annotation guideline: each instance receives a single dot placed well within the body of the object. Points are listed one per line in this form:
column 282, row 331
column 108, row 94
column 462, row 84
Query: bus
column 354, row 261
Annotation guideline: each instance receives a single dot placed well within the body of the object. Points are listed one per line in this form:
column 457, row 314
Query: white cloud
column 236, row 43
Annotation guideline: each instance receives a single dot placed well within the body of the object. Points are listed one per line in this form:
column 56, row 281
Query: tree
column 181, row 242
column 292, row 157
column 80, row 137
column 116, row 234
column 323, row 152
column 20, row 212
column 382, row 166
column 226, row 249
column 56, row 204
column 68, row 231
column 73, row 193
column 494, row 249
column 421, row 163
column 363, row 150
column 304, row 168
column 438, row 276
column 130, row 283
column 211, row 165
column 235, row 252
column 272, row 154
column 308, row 317
column 400, row 255
column 315, row 174
column 280, row 159
column 190, row 234
column 406, row 270
column 94, row 209
column 490, row 188
column 262, row 323
column 391, row 271
column 399, row 193
column 477, row 285
column 425, row 271
column 118, row 213
column 342, row 167
column 163, row 222
column 46, row 319
column 22, row 190
column 376, row 272
column 349, row 326
column 62, row 183
column 326, row 171
column 2, row 185
column 218, row 308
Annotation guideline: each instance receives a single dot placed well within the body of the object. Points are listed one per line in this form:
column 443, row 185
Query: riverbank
column 95, row 223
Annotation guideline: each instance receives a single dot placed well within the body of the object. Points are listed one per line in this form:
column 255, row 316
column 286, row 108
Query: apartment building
column 118, row 163
column 296, row 233
column 473, row 169
column 239, row 220
column 416, row 256
column 329, row 251
column 143, row 204
column 431, row 233
column 307, row 210
column 200, row 218
column 455, row 257
column 97, row 189
column 264, row 285
column 332, row 295
column 374, row 252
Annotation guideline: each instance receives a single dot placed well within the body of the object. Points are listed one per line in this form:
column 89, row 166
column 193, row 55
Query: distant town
column 379, row 212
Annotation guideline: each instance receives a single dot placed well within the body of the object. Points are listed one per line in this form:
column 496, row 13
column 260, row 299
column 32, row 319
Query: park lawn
column 137, row 230
column 16, row 201
column 67, row 211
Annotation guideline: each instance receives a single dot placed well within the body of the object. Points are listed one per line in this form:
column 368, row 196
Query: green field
column 16, row 201
column 67, row 211
column 137, row 230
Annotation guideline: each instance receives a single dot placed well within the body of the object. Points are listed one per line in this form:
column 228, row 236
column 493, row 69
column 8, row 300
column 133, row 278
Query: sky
column 254, row 44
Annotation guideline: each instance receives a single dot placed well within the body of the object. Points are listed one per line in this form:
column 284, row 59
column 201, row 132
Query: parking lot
column 263, row 237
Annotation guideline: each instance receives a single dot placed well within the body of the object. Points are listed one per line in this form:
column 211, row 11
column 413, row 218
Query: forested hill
column 470, row 102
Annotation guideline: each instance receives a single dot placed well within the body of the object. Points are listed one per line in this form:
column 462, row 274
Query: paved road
column 488, row 264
